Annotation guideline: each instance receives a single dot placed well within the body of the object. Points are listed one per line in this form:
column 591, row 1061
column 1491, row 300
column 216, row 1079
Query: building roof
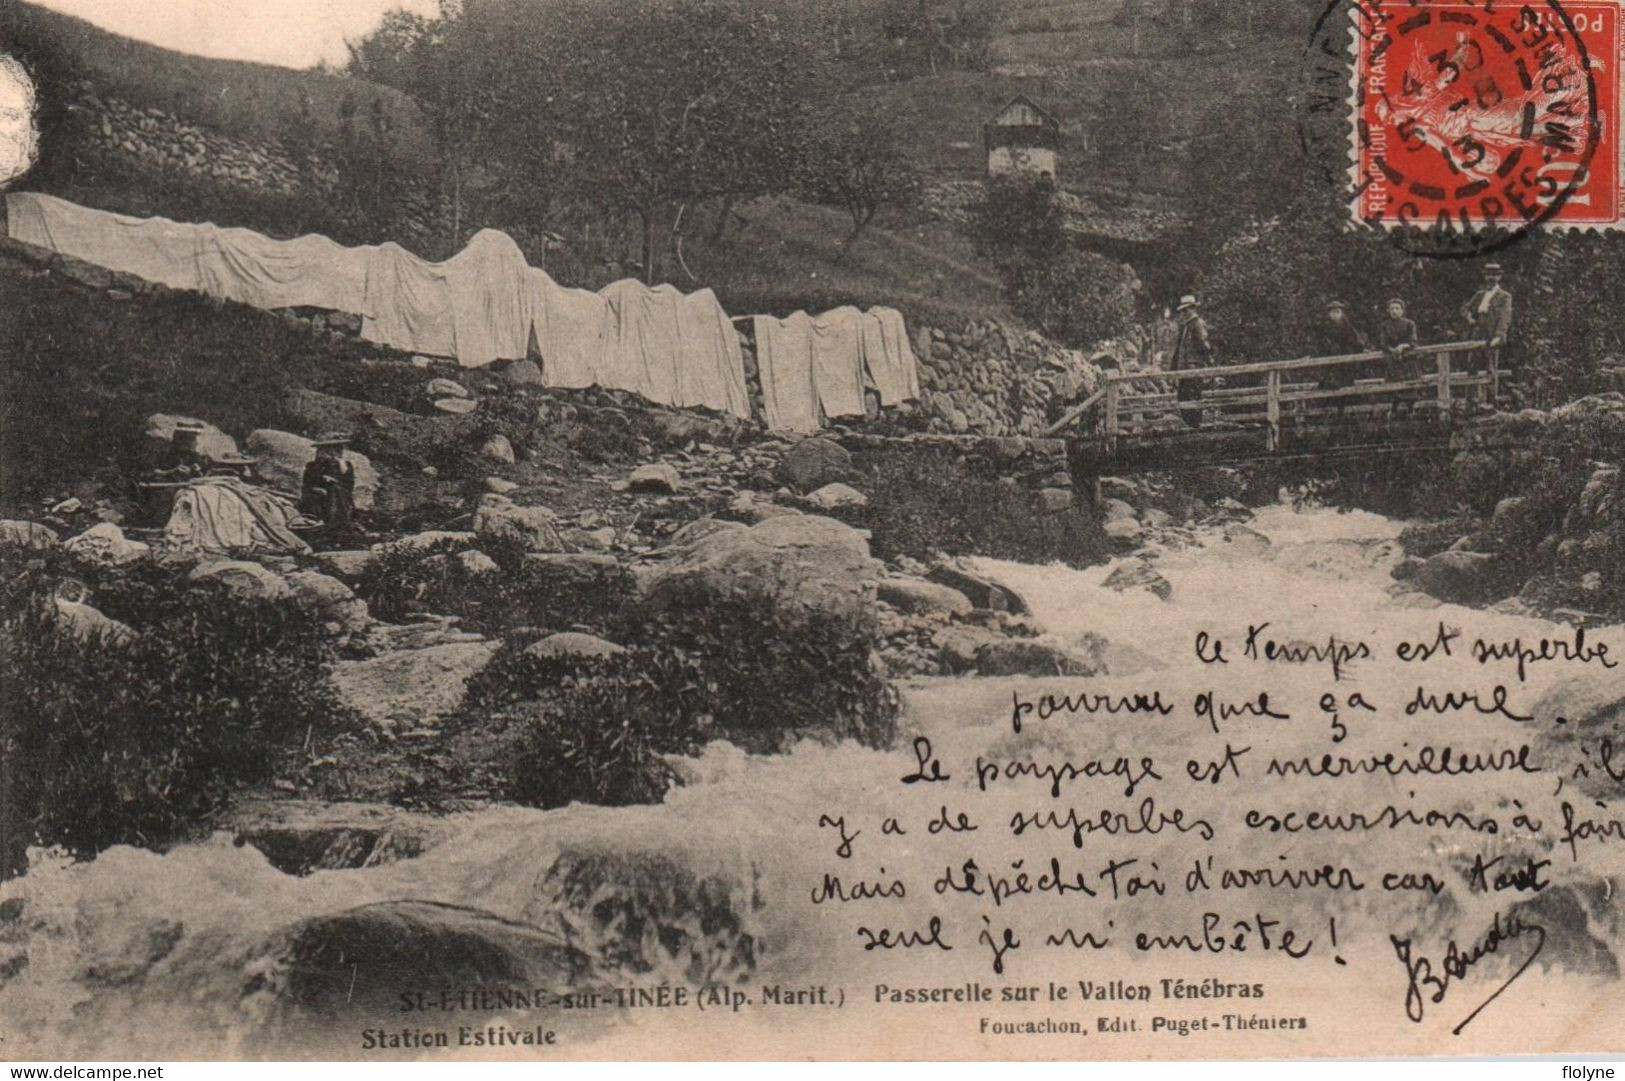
column 1023, row 99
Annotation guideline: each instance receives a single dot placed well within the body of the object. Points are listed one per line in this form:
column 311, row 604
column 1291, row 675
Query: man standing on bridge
column 1191, row 350
column 1489, row 314
column 1338, row 337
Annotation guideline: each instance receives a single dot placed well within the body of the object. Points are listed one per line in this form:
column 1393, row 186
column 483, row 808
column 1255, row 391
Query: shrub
column 594, row 729
column 142, row 742
column 1077, row 297
column 404, row 581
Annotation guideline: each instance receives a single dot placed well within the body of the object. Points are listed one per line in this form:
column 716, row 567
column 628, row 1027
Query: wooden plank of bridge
column 1112, row 392
column 1273, row 411
column 1444, row 381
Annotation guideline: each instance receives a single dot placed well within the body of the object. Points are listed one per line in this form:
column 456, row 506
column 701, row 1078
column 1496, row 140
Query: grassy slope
column 790, row 256
column 252, row 101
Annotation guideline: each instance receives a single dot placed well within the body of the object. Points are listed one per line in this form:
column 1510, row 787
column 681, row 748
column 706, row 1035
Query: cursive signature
column 1430, row 982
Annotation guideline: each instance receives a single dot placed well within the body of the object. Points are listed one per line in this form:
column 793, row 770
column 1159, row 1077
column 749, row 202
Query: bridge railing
column 1449, row 382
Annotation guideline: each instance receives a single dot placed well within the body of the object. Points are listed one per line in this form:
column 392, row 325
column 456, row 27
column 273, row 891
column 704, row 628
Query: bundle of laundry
column 225, row 516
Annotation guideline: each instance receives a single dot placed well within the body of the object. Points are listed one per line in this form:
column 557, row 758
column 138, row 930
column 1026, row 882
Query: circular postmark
column 1461, row 125
column 19, row 132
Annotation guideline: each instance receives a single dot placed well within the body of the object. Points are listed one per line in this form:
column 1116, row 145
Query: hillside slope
column 250, row 101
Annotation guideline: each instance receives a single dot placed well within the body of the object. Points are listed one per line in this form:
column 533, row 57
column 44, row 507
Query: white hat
column 1187, row 301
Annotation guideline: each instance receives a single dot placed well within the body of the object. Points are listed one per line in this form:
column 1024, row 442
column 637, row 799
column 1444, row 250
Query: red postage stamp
column 1488, row 115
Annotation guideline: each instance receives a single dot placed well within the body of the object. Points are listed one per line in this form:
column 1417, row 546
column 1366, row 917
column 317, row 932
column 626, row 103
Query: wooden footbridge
column 1421, row 400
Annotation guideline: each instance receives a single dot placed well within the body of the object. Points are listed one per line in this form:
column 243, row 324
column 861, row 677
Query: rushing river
column 209, row 951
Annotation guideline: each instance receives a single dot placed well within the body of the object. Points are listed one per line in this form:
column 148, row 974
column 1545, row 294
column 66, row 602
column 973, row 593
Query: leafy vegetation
column 1075, row 296
column 405, row 581
column 594, row 729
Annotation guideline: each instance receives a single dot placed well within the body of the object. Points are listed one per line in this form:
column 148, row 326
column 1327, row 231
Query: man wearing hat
column 1489, row 313
column 1191, row 350
column 240, row 466
column 327, row 489
column 1337, row 336
column 183, row 460
column 1396, row 336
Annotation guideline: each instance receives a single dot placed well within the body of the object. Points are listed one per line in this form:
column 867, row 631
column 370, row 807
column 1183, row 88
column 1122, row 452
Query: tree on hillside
column 654, row 108
column 936, row 34
column 856, row 161
column 440, row 63
column 1019, row 217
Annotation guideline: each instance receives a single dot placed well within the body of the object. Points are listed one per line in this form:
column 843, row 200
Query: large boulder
column 428, row 539
column 105, row 545
column 660, row 478
column 27, row 534
column 500, row 519
column 283, row 457
column 499, row 449
column 917, row 596
column 1138, row 574
column 751, row 509
column 792, row 569
column 1571, row 719
column 837, row 496
column 90, row 624
column 413, row 687
column 813, row 463
column 1039, row 657
column 983, row 592
column 1459, row 577
column 211, row 442
column 339, row 609
column 243, row 578
column 416, row 944
column 700, row 528
column 1112, row 510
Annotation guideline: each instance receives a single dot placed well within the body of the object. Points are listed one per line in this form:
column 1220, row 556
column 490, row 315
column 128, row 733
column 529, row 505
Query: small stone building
column 1022, row 138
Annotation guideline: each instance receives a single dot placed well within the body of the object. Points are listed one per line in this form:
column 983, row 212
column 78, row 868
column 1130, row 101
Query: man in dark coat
column 327, row 490
column 1489, row 314
column 1338, row 337
column 1396, row 337
column 1192, row 349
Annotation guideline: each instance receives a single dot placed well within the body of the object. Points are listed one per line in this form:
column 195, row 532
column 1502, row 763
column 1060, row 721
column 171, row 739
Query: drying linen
column 784, row 364
column 668, row 347
column 837, row 344
column 407, row 304
column 490, row 312
column 222, row 515
column 711, row 366
column 887, row 358
column 234, row 264
column 568, row 327
column 306, row 272
column 474, row 306
column 642, row 348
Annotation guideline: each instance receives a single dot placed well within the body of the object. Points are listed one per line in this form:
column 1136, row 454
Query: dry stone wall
column 989, row 378
column 161, row 140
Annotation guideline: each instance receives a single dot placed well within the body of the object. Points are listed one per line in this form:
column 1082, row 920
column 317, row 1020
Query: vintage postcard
column 811, row 529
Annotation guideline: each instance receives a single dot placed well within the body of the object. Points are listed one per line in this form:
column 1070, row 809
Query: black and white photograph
column 811, row 530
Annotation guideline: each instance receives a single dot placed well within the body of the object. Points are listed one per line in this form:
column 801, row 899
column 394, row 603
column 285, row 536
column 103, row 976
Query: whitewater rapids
column 206, row 950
